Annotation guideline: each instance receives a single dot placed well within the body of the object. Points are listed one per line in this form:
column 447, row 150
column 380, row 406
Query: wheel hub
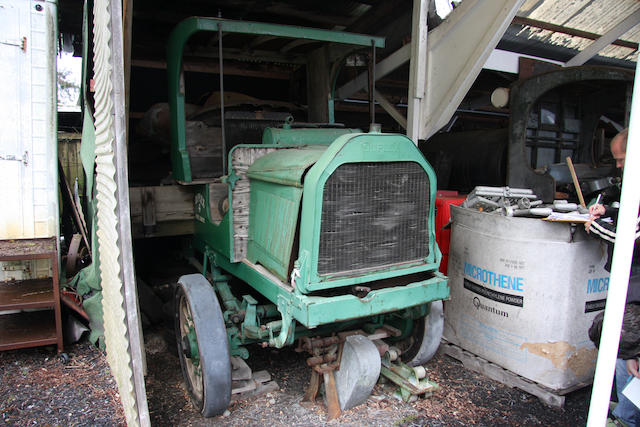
column 190, row 346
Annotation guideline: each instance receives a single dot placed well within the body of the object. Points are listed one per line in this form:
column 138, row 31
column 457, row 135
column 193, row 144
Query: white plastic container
column 524, row 293
column 28, row 145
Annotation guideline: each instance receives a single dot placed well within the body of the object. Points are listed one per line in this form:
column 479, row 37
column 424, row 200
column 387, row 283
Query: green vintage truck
column 312, row 235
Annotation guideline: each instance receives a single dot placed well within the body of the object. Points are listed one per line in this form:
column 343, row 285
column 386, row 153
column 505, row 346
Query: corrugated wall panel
column 123, row 335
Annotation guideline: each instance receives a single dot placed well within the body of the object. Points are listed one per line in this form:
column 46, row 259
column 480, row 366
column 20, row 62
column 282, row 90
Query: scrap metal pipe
column 563, row 206
column 541, row 212
column 503, row 192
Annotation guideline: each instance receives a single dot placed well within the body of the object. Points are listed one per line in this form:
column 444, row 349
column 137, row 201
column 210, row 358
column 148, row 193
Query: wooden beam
column 519, row 20
column 268, row 56
column 318, row 85
column 295, row 43
column 417, row 67
column 149, row 49
column 383, row 11
column 384, row 67
column 363, row 108
column 391, row 109
column 453, row 56
column 315, row 16
column 257, row 41
column 212, row 67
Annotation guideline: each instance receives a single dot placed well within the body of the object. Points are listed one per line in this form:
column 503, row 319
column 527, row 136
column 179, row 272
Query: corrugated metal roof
column 593, row 16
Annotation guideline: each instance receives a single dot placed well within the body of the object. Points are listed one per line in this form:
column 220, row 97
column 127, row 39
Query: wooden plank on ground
column 508, row 378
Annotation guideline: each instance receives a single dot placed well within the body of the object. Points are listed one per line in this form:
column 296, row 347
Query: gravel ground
column 465, row 398
column 36, row 388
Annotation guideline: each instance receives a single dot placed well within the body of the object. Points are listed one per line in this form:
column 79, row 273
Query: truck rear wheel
column 203, row 346
column 423, row 343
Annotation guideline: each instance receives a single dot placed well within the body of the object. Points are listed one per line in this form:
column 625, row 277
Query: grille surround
column 374, row 215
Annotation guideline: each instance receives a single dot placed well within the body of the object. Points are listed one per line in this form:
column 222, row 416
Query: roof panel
column 593, row 16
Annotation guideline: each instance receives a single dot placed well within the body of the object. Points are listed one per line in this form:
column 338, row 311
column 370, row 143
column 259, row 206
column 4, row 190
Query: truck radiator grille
column 374, row 215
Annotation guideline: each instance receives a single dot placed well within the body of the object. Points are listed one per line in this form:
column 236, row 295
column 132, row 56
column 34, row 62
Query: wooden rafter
column 569, row 31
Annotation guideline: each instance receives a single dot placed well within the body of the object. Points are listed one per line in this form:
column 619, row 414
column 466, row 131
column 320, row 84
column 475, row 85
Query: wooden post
column 318, row 71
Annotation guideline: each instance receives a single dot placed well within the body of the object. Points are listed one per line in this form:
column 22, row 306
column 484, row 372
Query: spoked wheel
column 202, row 345
column 423, row 343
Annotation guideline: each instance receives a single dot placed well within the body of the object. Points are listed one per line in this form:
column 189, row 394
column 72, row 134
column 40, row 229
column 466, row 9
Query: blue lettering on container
column 596, row 285
column 489, row 277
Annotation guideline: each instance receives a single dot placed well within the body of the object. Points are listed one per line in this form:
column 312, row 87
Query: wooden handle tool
column 576, row 184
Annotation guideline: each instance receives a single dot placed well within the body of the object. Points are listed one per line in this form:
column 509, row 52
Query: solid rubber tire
column 213, row 344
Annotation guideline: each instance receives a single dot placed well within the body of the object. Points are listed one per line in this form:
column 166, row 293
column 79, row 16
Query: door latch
column 24, row 159
column 22, row 43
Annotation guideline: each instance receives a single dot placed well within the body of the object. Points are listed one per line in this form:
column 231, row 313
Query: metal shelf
column 30, row 328
column 27, row 329
column 24, row 294
column 23, row 249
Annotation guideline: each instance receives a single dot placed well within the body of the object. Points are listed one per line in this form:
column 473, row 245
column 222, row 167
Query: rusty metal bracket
column 333, row 405
column 324, row 361
column 410, row 381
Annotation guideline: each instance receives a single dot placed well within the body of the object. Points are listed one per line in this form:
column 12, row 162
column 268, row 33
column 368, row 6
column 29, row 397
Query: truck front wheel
column 203, row 346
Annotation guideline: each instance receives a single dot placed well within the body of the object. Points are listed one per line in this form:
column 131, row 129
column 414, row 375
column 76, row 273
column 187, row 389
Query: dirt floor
column 37, row 388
